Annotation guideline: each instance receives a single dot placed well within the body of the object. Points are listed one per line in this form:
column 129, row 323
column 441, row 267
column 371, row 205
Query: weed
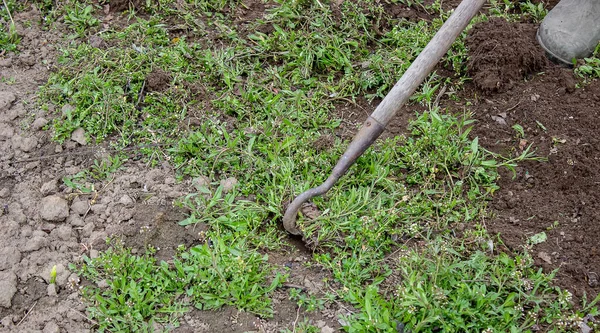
column 142, row 291
column 536, row 11
column 9, row 38
column 102, row 169
column 309, row 302
column 520, row 131
column 590, row 68
column 79, row 17
column 99, row 171
column 304, row 326
column 446, row 290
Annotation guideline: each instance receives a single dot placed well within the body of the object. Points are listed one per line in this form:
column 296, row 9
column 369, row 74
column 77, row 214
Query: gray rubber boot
column 571, row 30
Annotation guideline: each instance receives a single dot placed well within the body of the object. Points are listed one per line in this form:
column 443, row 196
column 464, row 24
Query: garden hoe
column 395, row 99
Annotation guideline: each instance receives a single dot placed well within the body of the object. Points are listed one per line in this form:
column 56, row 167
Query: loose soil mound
column 502, row 53
column 158, row 80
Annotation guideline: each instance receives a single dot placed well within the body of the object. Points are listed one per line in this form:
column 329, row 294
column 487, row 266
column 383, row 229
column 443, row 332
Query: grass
column 590, row 68
column 140, row 291
column 9, row 37
column 402, row 235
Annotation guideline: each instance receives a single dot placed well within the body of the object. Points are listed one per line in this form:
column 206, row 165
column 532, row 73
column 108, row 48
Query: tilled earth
column 44, row 223
column 559, row 197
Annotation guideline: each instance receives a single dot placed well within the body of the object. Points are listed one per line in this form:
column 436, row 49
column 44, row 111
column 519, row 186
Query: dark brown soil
column 502, row 53
column 324, row 142
column 123, row 5
column 158, row 80
column 559, row 197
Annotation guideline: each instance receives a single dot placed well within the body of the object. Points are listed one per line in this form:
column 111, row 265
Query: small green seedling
column 541, row 125
column 520, row 131
column 538, row 238
column 53, row 275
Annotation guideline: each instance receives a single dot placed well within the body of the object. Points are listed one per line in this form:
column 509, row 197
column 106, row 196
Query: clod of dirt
column 35, row 243
column 228, row 184
column 80, row 207
column 64, row 233
column 8, row 288
column 126, row 201
column 327, row 329
column 50, row 187
column 323, row 143
column 6, row 131
column 501, row 53
column 54, row 209
column 545, row 257
column 9, row 256
column 96, row 41
column 78, row 136
column 158, row 80
column 51, row 327
column 6, row 100
column 39, row 123
column 310, row 211
column 25, row 144
column 52, row 290
column 568, row 80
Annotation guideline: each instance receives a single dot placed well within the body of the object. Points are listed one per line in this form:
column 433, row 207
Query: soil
column 123, row 5
column 45, row 223
column 501, row 54
column 158, row 80
column 559, row 197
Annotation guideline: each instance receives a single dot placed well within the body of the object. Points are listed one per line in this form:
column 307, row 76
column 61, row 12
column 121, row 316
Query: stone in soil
column 9, row 256
column 54, row 209
column 79, row 136
column 6, row 131
column 8, row 288
column 6, row 100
